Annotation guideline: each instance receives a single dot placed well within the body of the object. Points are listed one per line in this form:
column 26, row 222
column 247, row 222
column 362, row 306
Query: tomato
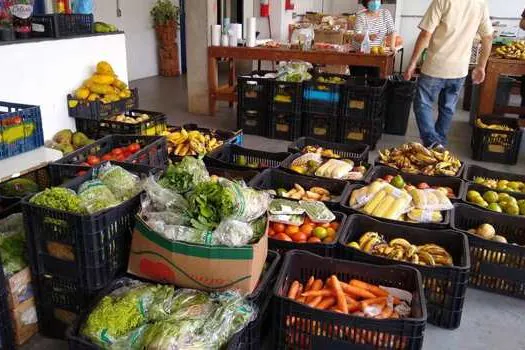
column 133, row 148
column 93, row 160
column 328, row 240
column 107, row 157
column 299, row 237
column 334, row 225
column 120, row 158
column 282, row 237
column 279, row 228
column 127, row 154
column 116, row 151
column 330, row 232
column 307, row 229
column 84, row 164
column 292, row 230
column 271, row 232
column 314, row 240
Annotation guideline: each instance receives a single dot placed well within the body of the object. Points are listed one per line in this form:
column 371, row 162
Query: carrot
column 341, row 299
column 357, row 292
column 381, row 301
column 315, row 301
column 317, row 285
column 349, row 299
column 301, row 300
column 335, row 309
column 326, row 303
column 386, row 313
column 300, row 290
column 292, row 293
column 354, row 306
column 378, row 292
column 309, row 284
column 317, row 293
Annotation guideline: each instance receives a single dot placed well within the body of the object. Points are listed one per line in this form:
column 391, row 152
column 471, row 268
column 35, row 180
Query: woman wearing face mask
column 379, row 24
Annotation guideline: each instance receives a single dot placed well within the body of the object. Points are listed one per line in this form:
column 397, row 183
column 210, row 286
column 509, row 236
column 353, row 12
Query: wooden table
column 495, row 68
column 385, row 63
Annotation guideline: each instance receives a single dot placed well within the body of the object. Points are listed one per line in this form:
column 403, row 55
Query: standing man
column 448, row 30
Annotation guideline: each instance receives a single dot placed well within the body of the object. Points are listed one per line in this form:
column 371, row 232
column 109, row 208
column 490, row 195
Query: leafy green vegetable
column 95, row 196
column 12, row 244
column 59, row 198
column 122, row 183
column 184, row 176
column 209, row 203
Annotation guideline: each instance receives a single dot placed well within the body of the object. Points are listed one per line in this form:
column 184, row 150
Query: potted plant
column 165, row 16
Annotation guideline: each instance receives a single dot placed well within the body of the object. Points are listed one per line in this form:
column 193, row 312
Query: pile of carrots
column 354, row 297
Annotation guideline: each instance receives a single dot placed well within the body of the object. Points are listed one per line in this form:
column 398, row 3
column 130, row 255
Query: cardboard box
column 330, row 37
column 196, row 266
column 19, row 288
column 25, row 322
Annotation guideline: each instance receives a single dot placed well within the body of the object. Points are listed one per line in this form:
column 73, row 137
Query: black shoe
column 437, row 147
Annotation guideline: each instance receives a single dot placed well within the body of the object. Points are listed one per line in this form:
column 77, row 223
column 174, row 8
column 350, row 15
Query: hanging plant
column 163, row 12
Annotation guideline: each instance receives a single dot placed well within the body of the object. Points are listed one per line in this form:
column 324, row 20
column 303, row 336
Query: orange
column 334, row 225
column 299, row 237
column 279, row 228
column 271, row 232
column 307, row 229
column 328, row 240
column 314, row 240
column 282, row 237
column 330, row 232
column 291, row 230
column 320, row 232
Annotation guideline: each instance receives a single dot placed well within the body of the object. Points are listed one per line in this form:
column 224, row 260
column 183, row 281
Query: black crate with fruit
column 496, row 139
column 254, row 90
column 253, row 121
column 356, row 151
column 495, row 180
column 364, row 99
column 323, row 94
column 320, row 127
column 442, row 259
column 505, row 202
column 339, row 322
column 367, row 132
column 285, row 126
column 241, row 158
column 497, row 249
column 286, row 97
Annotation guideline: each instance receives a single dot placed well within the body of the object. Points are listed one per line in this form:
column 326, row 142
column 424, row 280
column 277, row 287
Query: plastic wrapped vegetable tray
column 358, row 152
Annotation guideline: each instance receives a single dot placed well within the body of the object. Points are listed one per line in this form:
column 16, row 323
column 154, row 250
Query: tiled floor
column 489, row 321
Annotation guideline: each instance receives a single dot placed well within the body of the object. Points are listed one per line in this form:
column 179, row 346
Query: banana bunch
column 326, row 153
column 400, row 249
column 513, row 51
column 414, row 158
column 480, row 124
column 183, row 143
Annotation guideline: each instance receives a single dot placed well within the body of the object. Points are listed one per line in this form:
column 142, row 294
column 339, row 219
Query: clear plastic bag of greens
column 121, row 182
column 95, row 196
column 184, row 176
column 180, row 232
column 285, row 207
column 13, row 244
column 162, row 199
column 249, row 204
column 233, row 233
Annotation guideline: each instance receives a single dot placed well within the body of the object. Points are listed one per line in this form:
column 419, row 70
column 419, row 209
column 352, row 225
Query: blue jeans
column 430, row 89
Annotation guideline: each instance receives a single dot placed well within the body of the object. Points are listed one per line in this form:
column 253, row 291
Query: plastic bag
column 95, row 196
column 161, row 198
column 122, row 183
column 285, row 207
column 295, row 72
column 13, row 244
column 184, row 176
column 294, row 220
column 425, row 216
column 233, row 233
column 431, row 200
column 318, row 212
column 363, row 195
column 308, row 157
column 249, row 204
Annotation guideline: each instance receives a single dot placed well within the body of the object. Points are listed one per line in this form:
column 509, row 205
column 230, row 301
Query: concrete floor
column 489, row 321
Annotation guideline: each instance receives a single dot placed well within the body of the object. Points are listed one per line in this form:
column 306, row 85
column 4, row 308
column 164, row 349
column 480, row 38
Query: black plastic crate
column 97, row 110
column 495, row 267
column 253, row 121
column 252, row 337
column 472, row 171
column 230, row 155
column 432, row 226
column 153, row 153
column 445, row 286
column 286, row 97
column 315, row 329
column 321, row 97
column 490, row 145
column 7, row 341
column 254, row 92
column 155, row 125
column 458, row 174
column 54, row 321
column 285, row 126
column 482, row 189
column 263, row 291
column 88, row 249
column 400, row 95
column 367, row 132
column 41, row 177
column 273, row 179
column 456, row 184
column 356, row 151
column 320, row 127
column 232, row 174
column 364, row 99
column 61, row 25
column 25, row 122
column 321, row 249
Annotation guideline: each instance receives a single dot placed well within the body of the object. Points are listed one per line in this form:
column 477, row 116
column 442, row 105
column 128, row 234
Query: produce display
column 398, row 182
column 400, row 249
column 103, row 86
column 301, row 222
column 331, row 79
column 355, row 297
column 414, row 158
column 381, row 199
column 498, row 202
column 119, row 154
column 293, row 72
column 13, row 244
column 191, row 143
column 242, row 161
column 501, row 185
column 501, row 127
column 512, row 51
column 185, row 204
column 135, row 119
column 67, row 141
column 312, row 194
column 325, row 153
column 488, row 232
column 147, row 316
column 314, row 165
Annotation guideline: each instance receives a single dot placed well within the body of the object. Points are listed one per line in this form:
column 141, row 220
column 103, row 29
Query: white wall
column 140, row 35
column 50, row 70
